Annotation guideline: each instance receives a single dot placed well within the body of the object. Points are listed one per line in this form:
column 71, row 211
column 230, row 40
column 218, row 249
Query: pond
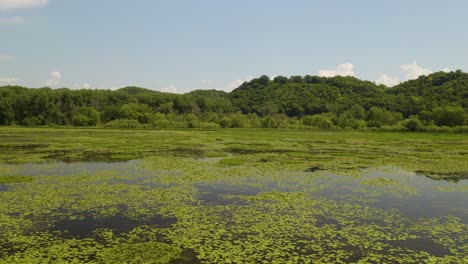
column 191, row 210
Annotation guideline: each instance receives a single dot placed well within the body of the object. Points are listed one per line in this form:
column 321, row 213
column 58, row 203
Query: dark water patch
column 22, row 147
column 420, row 244
column 265, row 160
column 86, row 226
column 213, row 194
column 86, row 156
column 188, row 256
column 180, row 152
column 356, row 253
column 3, row 188
column 57, row 155
column 321, row 220
column 187, row 152
column 92, row 156
column 314, row 169
column 451, row 177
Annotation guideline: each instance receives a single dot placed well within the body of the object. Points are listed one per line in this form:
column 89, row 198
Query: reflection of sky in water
column 413, row 195
column 434, row 197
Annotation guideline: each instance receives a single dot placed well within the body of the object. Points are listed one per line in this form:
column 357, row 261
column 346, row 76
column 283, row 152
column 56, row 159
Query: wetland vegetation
column 232, row 196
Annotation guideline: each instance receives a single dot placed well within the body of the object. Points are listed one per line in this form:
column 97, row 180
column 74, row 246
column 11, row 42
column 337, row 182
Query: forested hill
column 308, row 95
column 438, row 99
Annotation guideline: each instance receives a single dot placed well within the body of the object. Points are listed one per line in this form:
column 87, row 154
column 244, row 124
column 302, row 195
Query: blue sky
column 181, row 45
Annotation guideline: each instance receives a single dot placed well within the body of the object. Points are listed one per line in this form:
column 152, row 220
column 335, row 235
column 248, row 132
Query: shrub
column 31, row 121
column 434, row 128
column 461, row 129
column 225, row 122
column 320, row 121
column 412, row 124
column 267, row 122
column 209, row 125
column 123, row 123
column 80, row 120
column 449, row 116
column 193, row 124
column 162, row 123
column 86, row 116
column 397, row 127
column 238, row 121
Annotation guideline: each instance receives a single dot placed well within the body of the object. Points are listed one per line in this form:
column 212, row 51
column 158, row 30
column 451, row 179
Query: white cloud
column 22, row 4
column 8, row 80
column 387, row 80
column 86, row 86
column 413, row 71
column 55, row 78
column 345, row 69
column 233, row 85
column 11, row 20
column 446, row 69
column 236, row 83
column 169, row 89
column 6, row 57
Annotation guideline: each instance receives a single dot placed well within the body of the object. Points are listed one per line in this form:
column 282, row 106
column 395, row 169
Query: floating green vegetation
column 238, row 196
column 148, row 252
column 231, row 162
column 14, row 179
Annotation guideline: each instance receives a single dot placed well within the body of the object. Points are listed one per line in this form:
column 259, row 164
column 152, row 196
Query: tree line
column 437, row 102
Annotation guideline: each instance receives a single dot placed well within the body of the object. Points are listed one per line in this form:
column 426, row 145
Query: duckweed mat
column 232, row 196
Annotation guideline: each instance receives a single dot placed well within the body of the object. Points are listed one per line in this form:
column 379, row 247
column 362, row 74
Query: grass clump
column 232, row 162
column 216, row 154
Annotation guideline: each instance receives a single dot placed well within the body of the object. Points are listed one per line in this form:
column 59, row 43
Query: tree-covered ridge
column 299, row 96
column 313, row 95
column 439, row 99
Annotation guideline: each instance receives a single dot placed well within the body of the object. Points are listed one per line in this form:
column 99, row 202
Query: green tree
column 449, row 116
column 413, row 124
column 86, row 116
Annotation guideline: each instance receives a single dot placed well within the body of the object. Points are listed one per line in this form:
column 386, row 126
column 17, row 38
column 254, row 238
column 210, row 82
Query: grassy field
column 232, row 196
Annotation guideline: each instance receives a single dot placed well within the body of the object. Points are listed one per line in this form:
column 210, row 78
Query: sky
column 183, row 45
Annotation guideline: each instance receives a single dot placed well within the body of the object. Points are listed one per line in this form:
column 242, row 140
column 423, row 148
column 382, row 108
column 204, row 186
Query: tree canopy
column 439, row 99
